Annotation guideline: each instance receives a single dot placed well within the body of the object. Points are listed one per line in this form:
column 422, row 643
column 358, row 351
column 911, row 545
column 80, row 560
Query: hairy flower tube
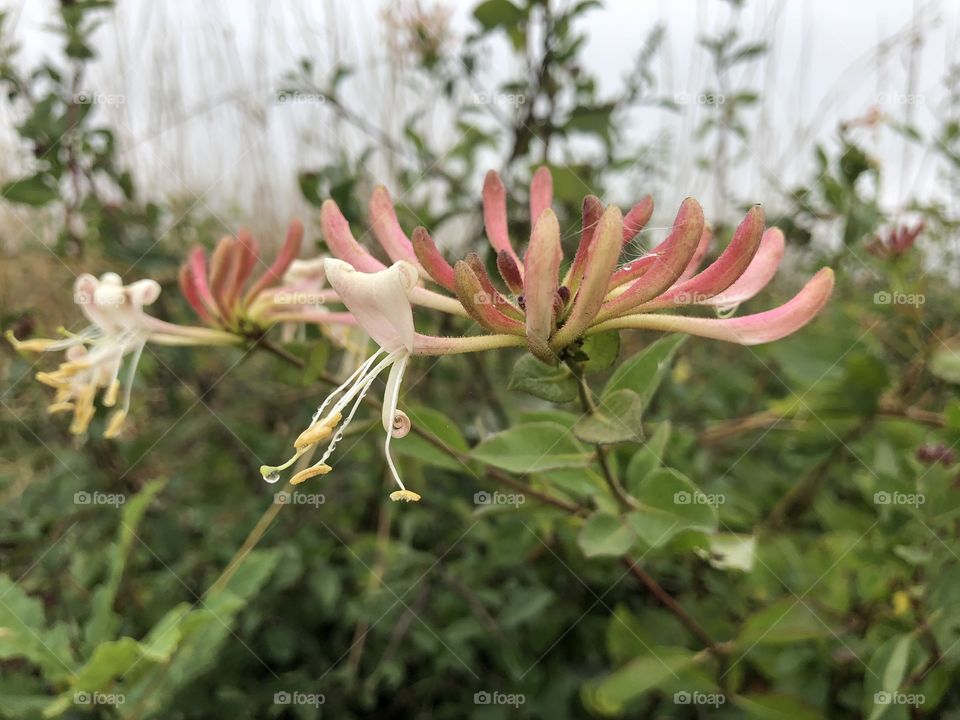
column 225, row 295
column 549, row 308
column 119, row 330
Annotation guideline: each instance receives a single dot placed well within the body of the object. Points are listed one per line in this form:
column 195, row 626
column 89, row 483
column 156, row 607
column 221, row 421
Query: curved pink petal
column 540, row 283
column 747, row 330
column 637, row 218
column 482, row 305
column 758, row 274
column 706, row 237
column 386, row 227
column 336, row 231
column 188, row 288
column 288, row 253
column 495, row 215
column 510, row 272
column 429, row 257
column 432, row 345
column 541, row 192
column 664, row 264
column 592, row 212
column 198, row 269
column 722, row 272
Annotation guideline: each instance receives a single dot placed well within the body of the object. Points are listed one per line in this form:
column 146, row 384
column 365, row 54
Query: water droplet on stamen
column 272, row 477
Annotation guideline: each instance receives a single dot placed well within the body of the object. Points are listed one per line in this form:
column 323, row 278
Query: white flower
column 96, row 356
column 380, row 302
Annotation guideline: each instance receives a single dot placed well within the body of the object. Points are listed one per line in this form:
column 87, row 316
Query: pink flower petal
column 495, row 215
column 189, row 290
column 198, row 270
column 757, row 275
column 541, row 192
column 510, row 272
column 637, row 218
column 429, row 257
column 386, row 227
column 747, row 330
column 480, row 304
column 721, row 273
column 288, row 253
column 706, row 237
column 592, row 211
column 540, row 284
column 336, row 231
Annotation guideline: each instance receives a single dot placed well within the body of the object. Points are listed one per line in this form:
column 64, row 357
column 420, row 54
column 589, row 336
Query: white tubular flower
column 95, row 356
column 380, row 302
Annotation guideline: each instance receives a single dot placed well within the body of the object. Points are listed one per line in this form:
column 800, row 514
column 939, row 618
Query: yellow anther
column 320, row 430
column 59, row 407
column 405, row 495
column 49, row 379
column 313, row 471
column 34, row 345
column 110, row 396
column 115, row 424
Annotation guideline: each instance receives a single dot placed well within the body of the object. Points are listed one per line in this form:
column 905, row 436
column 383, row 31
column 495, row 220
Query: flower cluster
column 539, row 301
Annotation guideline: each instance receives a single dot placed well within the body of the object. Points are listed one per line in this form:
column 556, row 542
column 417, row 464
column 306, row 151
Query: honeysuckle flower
column 899, row 240
column 119, row 330
column 288, row 291
column 550, row 311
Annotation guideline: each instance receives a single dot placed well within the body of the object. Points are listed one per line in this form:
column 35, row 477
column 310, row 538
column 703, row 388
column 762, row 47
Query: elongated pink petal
column 198, row 270
column 432, row 345
column 592, row 211
column 757, row 275
column 430, row 259
column 668, row 261
column 637, row 218
column 541, row 192
column 480, row 304
column 540, row 283
column 336, row 231
column 495, row 215
column 288, row 253
column 510, row 272
column 747, row 330
column 223, row 268
column 706, row 237
column 188, row 288
column 722, row 272
column 480, row 270
column 601, row 262
column 387, row 230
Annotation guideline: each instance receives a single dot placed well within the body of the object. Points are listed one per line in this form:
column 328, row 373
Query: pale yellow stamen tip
column 35, row 345
column 319, row 431
column 110, row 396
column 49, row 379
column 59, row 407
column 405, row 495
column 310, row 472
column 115, row 424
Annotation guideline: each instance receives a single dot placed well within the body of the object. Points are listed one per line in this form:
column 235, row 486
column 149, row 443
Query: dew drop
column 272, row 477
column 627, row 267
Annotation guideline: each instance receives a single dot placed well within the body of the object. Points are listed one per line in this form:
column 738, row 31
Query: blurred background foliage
column 824, row 572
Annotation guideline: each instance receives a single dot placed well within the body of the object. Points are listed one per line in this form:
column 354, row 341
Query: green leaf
column 24, row 633
column 109, row 662
column 441, row 427
column 786, row 621
column 647, row 459
column 889, row 664
column 533, row 447
column 671, row 504
column 775, row 706
column 644, row 372
column 945, row 364
column 601, row 350
column 617, row 418
column 604, row 535
column 30, row 191
column 729, row 551
column 496, row 13
column 610, row 694
column 555, row 384
column 103, row 622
